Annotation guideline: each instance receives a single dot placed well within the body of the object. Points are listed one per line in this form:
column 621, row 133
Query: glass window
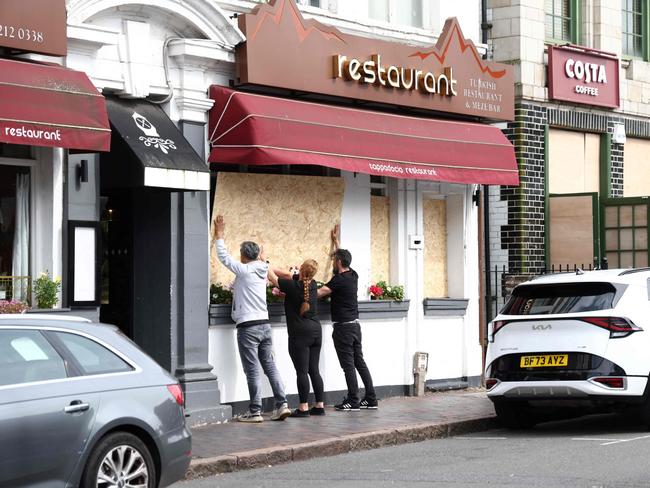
column 409, row 12
column 558, row 19
column 92, row 357
column 557, row 298
column 379, row 10
column 632, row 28
column 26, row 356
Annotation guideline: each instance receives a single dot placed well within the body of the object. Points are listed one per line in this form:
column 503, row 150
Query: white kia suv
column 571, row 343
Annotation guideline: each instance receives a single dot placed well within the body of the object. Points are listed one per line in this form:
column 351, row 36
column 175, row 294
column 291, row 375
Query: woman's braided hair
column 308, row 270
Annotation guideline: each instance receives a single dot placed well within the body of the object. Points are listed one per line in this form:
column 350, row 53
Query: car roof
column 633, row 276
column 43, row 317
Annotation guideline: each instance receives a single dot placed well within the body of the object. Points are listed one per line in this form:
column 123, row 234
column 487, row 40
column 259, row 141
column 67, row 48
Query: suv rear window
column 560, row 298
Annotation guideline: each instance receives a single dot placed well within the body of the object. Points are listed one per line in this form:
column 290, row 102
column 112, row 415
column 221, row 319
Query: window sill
column 368, row 309
column 445, row 307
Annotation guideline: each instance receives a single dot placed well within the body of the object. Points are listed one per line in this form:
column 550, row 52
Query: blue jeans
column 255, row 350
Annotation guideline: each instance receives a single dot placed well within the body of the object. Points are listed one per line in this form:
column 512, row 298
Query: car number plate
column 544, row 361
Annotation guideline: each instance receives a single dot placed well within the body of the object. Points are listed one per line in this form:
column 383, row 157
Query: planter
column 368, row 309
column 445, row 307
column 43, row 311
column 383, row 309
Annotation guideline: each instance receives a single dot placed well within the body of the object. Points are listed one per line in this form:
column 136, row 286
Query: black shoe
column 369, row 404
column 299, row 413
column 316, row 411
column 347, row 406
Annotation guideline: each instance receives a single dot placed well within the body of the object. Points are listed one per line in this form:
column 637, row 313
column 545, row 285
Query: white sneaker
column 281, row 412
column 250, row 417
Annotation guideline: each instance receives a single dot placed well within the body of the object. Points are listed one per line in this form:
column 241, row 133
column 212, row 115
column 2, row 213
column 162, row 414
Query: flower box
column 445, row 307
column 368, row 310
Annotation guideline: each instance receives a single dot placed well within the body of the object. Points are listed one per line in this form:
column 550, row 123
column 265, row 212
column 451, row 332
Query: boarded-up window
column 571, row 228
column 636, row 168
column 435, row 248
column 291, row 216
column 380, row 238
column 573, row 162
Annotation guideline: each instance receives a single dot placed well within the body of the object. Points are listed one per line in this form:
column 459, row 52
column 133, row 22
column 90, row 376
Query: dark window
column 26, row 356
column 558, row 17
column 93, row 358
column 560, row 298
column 632, row 28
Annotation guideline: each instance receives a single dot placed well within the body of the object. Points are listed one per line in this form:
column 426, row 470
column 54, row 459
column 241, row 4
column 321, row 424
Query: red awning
column 247, row 128
column 48, row 105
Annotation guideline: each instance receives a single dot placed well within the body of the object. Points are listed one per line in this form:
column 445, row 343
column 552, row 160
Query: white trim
column 177, row 178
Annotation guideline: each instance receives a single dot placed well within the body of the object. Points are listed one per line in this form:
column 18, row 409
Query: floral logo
column 152, row 137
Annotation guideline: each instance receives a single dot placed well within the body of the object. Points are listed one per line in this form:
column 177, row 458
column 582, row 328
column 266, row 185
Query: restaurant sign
column 284, row 50
column 581, row 75
column 37, row 26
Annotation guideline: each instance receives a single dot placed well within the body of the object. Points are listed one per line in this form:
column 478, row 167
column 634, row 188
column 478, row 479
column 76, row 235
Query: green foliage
column 46, row 290
column 220, row 294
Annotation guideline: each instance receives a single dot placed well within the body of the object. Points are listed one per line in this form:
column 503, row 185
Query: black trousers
column 347, row 342
column 304, row 350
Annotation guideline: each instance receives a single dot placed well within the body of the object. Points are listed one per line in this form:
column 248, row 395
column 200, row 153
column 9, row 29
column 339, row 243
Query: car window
column 91, row 356
column 26, row 356
column 560, row 298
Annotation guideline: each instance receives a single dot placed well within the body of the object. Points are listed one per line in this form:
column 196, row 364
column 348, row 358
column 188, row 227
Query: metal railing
column 16, row 287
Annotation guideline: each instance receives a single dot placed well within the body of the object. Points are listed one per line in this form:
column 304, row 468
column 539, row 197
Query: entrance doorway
column 117, row 260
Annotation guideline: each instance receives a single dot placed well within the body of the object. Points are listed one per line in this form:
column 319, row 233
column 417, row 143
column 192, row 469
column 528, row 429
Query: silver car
column 81, row 405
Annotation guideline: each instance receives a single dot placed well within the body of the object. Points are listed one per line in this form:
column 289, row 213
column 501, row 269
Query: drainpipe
column 485, row 26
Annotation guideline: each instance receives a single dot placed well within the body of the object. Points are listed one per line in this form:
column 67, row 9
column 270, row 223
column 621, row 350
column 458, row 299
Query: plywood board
column 636, row 175
column 380, row 238
column 574, row 161
column 435, row 248
column 572, row 230
column 291, row 216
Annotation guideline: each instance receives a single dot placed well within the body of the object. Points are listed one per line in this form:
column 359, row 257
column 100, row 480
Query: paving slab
column 233, row 446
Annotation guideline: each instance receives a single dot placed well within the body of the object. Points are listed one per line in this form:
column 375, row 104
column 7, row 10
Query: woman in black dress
column 305, row 333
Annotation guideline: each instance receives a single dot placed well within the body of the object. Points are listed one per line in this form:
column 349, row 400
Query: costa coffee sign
column 284, row 50
column 37, row 26
column 583, row 76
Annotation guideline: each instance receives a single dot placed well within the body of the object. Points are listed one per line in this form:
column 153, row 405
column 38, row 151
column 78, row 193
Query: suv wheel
column 120, row 460
column 515, row 415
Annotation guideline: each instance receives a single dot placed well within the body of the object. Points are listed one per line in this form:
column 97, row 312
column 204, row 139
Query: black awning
column 168, row 159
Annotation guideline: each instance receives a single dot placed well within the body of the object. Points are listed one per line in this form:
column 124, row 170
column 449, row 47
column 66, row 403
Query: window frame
column 575, row 34
column 645, row 31
column 392, row 15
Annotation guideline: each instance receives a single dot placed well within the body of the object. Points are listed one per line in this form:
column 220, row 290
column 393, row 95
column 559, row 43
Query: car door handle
column 76, row 406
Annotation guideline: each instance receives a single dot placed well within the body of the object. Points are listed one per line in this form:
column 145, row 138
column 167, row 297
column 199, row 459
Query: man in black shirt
column 347, row 331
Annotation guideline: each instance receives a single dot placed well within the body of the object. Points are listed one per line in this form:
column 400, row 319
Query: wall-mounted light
column 82, row 171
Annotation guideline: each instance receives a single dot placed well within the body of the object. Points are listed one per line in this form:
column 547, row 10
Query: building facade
column 127, row 224
column 581, row 133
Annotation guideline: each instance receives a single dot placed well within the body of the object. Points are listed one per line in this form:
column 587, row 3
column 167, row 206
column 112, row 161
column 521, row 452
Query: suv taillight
column 617, row 326
column 496, row 326
column 611, row 381
column 177, row 393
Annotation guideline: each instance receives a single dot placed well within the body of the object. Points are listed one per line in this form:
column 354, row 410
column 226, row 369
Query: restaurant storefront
column 389, row 140
column 45, row 110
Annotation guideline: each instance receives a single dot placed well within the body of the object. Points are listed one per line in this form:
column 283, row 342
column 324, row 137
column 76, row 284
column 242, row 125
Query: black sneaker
column 299, row 413
column 317, row 411
column 347, row 406
column 369, row 404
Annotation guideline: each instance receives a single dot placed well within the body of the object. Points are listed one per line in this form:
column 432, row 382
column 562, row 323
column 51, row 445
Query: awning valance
column 247, row 128
column 167, row 158
column 48, row 105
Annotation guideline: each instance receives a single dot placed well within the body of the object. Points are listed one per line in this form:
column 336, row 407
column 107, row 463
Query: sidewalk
column 234, row 446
